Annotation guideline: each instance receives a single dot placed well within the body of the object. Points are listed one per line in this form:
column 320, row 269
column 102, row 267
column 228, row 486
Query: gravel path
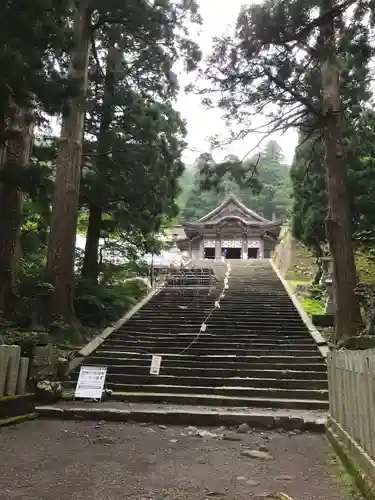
column 53, row 460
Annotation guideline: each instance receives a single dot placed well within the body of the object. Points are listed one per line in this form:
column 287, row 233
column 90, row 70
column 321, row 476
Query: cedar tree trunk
column 338, row 221
column 62, row 237
column 90, row 268
column 15, row 155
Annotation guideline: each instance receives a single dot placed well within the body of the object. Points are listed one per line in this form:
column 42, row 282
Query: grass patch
column 345, row 482
column 17, row 420
column 312, row 306
column 365, row 262
column 309, row 305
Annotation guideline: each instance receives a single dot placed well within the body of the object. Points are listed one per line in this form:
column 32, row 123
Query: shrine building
column 231, row 227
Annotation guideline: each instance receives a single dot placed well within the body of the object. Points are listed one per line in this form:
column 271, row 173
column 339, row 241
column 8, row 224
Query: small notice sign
column 91, row 381
column 155, row 365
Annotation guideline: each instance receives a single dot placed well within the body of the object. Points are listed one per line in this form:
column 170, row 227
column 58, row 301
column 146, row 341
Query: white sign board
column 155, row 365
column 91, row 382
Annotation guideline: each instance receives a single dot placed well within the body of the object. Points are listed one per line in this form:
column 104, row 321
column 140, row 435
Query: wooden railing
column 351, row 377
column 13, row 371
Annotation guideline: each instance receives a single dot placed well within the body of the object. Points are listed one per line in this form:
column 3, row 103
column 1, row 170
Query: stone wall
column 292, row 259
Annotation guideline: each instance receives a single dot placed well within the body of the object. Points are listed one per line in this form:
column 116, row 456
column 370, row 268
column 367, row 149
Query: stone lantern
column 327, row 280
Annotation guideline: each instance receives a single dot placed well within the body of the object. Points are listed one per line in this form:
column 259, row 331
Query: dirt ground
column 53, row 460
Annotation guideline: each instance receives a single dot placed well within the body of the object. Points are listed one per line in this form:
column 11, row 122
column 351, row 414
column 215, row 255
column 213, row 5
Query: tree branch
column 296, row 95
column 316, row 23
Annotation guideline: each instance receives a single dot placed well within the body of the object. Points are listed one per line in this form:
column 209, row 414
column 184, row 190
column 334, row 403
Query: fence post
column 22, row 375
column 4, row 357
column 351, row 379
column 12, row 373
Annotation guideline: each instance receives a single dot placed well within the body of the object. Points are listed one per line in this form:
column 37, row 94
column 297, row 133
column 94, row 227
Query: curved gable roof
column 231, row 199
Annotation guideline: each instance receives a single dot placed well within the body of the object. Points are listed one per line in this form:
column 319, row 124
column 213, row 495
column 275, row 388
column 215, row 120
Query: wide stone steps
column 220, row 337
column 193, row 399
column 195, row 349
column 221, row 342
column 256, row 350
column 114, row 380
column 213, row 373
column 222, row 360
column 245, row 321
column 242, row 328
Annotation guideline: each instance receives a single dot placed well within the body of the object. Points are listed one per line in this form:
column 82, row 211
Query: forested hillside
column 104, row 73
column 271, row 198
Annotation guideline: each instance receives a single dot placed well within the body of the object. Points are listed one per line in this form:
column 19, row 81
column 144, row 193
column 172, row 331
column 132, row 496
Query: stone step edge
column 183, row 418
column 199, row 399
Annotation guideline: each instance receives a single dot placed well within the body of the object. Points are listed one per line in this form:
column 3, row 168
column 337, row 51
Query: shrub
column 98, row 304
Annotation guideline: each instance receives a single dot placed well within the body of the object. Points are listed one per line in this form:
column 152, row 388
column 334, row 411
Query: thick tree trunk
column 338, row 221
column 62, row 237
column 15, row 155
column 90, row 268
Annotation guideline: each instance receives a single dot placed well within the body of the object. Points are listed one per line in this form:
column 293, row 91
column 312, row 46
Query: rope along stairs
column 254, row 350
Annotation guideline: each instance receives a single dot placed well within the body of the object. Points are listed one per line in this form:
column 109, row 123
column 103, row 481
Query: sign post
column 155, row 365
column 90, row 384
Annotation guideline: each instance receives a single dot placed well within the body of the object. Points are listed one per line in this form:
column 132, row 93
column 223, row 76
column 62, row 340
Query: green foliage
column 100, row 304
column 133, row 135
column 271, row 65
column 365, row 261
column 310, row 297
column 309, row 186
column 269, row 194
column 11, row 334
column 32, row 36
column 312, row 306
column 309, row 196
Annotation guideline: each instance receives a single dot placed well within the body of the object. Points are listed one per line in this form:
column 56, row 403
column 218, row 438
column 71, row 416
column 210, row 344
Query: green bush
column 25, row 339
column 104, row 303
column 317, row 292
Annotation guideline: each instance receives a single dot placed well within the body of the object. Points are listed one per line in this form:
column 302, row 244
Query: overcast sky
column 219, row 17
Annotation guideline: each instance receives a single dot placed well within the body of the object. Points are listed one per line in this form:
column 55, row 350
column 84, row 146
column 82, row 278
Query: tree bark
column 338, row 221
column 62, row 237
column 14, row 155
column 90, row 268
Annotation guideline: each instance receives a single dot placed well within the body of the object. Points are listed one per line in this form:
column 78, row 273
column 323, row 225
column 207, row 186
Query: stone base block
column 14, row 406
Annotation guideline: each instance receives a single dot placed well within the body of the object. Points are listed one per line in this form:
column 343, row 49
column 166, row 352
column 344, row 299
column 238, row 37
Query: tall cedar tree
column 133, row 165
column 155, row 25
column 31, row 36
column 283, row 63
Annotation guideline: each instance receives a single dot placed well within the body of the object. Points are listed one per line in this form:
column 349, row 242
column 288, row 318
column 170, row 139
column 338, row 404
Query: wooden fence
column 351, row 377
column 13, row 371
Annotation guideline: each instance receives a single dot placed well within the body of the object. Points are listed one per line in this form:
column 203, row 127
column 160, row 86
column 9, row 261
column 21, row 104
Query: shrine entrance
column 232, row 253
column 209, row 253
column 252, row 253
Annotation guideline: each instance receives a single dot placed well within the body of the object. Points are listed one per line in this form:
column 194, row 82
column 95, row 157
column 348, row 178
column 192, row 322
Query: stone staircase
column 256, row 350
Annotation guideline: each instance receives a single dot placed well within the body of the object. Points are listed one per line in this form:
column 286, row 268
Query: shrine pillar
column 261, row 248
column 245, row 247
column 201, row 249
column 218, row 247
